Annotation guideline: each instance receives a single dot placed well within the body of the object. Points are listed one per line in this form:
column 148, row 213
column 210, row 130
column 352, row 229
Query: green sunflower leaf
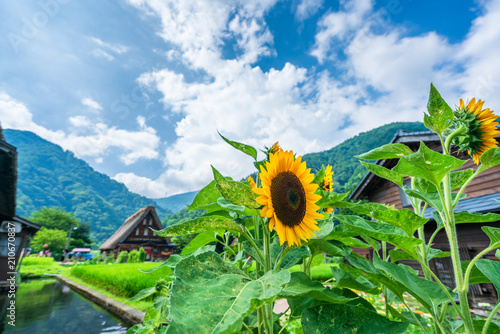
column 432, row 199
column 494, row 235
column 207, row 195
column 476, row 276
column 332, row 248
column 301, row 285
column 209, row 295
column 427, row 164
column 348, row 319
column 457, row 180
column 242, row 147
column 201, row 240
column 329, row 198
column 399, row 255
column 475, row 217
column 389, row 151
column 201, row 224
column 490, row 269
column 440, row 115
column 406, row 219
column 384, row 232
column 384, row 173
column 345, row 280
column 489, row 159
column 429, row 293
column 235, row 192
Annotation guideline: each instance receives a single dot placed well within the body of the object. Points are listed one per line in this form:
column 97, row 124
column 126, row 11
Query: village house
column 483, row 196
column 15, row 231
column 136, row 233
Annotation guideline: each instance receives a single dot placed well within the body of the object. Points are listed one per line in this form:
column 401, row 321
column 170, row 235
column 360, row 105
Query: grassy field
column 121, row 279
column 40, row 267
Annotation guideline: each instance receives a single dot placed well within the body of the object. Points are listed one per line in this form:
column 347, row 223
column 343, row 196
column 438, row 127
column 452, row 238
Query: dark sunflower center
column 289, row 198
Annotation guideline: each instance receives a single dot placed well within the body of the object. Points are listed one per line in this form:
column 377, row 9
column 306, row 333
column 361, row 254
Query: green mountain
column 347, row 169
column 49, row 176
column 176, row 203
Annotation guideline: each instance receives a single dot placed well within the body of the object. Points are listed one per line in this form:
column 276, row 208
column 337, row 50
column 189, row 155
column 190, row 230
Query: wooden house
column 14, row 230
column 483, row 194
column 136, row 233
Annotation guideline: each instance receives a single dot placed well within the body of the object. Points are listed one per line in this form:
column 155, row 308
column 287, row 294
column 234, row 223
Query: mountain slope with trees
column 347, row 169
column 49, row 176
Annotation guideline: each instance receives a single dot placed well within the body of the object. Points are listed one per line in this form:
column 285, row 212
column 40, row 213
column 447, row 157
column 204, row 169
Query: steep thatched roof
column 123, row 232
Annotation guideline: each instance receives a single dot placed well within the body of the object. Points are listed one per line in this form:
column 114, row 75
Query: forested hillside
column 347, row 169
column 176, row 203
column 49, row 176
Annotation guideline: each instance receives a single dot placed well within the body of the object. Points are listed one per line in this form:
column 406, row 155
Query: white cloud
column 116, row 48
column 339, row 25
column 307, row 8
column 142, row 185
column 99, row 53
column 92, row 104
column 385, row 78
column 98, row 137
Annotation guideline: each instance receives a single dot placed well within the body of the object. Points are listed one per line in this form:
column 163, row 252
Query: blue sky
column 139, row 88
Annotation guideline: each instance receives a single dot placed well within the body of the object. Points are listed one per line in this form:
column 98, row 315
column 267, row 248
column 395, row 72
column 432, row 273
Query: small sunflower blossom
column 276, row 148
column 481, row 128
column 252, row 182
column 288, row 198
column 328, row 184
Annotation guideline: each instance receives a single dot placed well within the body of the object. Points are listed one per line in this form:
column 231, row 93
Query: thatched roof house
column 137, row 232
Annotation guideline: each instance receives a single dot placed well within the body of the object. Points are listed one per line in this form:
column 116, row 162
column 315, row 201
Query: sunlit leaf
column 242, row 147
column 440, row 115
column 212, row 296
column 476, row 276
column 334, row 318
column 237, row 193
column 489, row 159
column 205, row 196
column 475, row 217
column 427, row 164
column 389, row 151
column 199, row 225
column 301, row 285
column 328, row 198
column 332, row 248
column 490, row 269
column 494, row 235
column 384, row 232
column 345, row 280
column 201, row 240
column 384, row 173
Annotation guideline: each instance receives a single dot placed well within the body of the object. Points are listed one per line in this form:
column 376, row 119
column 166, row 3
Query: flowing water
column 50, row 307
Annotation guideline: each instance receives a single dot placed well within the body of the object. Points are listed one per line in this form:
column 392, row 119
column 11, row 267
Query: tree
column 55, row 240
column 80, row 237
column 54, row 218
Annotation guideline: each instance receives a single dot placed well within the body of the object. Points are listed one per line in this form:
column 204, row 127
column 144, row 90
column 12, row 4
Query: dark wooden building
column 483, row 194
column 136, row 233
column 14, row 231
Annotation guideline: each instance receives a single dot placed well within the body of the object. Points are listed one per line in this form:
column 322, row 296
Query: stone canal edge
column 127, row 314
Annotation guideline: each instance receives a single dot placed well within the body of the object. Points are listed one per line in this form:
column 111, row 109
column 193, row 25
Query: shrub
column 122, row 257
column 133, row 256
column 142, row 255
column 110, row 258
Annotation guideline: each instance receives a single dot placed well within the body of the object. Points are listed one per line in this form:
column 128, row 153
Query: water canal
column 50, row 307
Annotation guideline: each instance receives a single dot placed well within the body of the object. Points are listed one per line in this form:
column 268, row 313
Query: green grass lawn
column 121, row 279
column 41, row 267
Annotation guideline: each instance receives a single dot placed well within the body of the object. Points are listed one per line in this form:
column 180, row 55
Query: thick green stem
column 471, row 264
column 268, row 308
column 455, row 257
column 490, row 318
column 254, row 245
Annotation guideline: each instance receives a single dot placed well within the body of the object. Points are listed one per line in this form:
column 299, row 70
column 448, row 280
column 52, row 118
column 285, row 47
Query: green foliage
column 122, row 279
column 122, row 257
column 54, row 218
column 48, row 176
column 55, row 240
column 142, row 255
column 133, row 256
column 39, row 267
column 347, row 169
column 110, row 258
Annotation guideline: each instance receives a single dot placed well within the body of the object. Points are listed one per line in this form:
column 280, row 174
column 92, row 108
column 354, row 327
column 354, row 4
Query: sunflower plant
column 284, row 216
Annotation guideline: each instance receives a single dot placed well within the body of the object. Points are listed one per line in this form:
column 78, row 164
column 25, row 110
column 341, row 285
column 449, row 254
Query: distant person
column 47, row 253
column 63, row 257
column 41, row 253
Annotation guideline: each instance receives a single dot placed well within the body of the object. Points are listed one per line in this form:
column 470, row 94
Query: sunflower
column 251, row 181
column 481, row 128
column 276, row 148
column 328, row 184
column 288, row 197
